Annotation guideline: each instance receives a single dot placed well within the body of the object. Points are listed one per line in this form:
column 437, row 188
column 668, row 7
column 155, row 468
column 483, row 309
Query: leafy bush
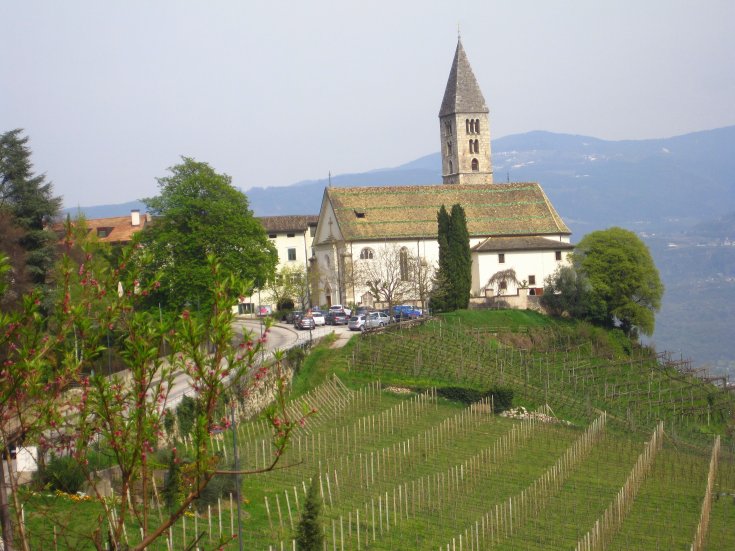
column 62, row 473
column 502, row 396
column 221, row 486
column 295, row 358
column 186, row 413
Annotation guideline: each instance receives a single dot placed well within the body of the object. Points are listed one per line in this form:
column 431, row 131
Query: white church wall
column 528, row 265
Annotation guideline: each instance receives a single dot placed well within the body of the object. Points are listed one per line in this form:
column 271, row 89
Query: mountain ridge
column 592, row 182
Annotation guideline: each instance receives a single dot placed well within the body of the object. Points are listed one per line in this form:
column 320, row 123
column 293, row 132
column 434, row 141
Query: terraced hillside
column 612, row 451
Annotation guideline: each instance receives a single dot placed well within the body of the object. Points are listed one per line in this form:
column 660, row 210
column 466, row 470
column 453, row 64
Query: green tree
column 290, row 282
column 29, row 200
column 309, row 532
column 453, row 281
column 568, row 292
column 199, row 212
column 442, row 289
column 626, row 286
column 461, row 257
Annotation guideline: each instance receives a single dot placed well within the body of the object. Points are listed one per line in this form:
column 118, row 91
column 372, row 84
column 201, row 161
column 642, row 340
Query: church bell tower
column 464, row 127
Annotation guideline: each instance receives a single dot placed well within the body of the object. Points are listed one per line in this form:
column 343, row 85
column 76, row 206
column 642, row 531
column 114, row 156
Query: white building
column 511, row 226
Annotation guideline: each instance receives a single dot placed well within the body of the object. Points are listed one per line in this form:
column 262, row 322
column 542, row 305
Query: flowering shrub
column 54, row 394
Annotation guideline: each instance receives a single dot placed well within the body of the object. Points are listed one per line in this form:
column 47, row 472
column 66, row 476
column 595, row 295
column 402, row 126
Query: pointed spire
column 463, row 94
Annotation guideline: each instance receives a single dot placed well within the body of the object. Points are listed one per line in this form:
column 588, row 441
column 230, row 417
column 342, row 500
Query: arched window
column 448, row 127
column 451, row 168
column 467, row 124
column 326, row 260
column 475, row 165
column 477, row 125
column 403, row 264
column 367, row 254
column 477, row 146
column 449, row 148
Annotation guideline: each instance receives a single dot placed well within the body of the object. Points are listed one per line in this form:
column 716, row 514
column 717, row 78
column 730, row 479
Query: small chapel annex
column 511, row 225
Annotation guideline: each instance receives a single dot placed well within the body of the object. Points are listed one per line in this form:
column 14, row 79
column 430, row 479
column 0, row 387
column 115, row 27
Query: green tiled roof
column 410, row 211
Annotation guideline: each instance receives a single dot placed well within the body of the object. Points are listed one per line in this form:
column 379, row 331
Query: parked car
column 376, row 319
column 335, row 317
column 305, row 322
column 340, row 308
column 318, row 317
column 293, row 314
column 356, row 323
column 404, row 312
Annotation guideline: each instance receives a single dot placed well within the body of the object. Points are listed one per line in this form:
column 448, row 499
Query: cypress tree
column 441, row 293
column 309, row 533
column 461, row 258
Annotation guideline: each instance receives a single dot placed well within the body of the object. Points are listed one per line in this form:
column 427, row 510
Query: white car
column 356, row 323
column 318, row 318
column 340, row 308
column 377, row 319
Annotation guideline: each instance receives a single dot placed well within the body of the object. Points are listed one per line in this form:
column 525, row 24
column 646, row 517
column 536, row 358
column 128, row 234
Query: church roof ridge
column 462, row 94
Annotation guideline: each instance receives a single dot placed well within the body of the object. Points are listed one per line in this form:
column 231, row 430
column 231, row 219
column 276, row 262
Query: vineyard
column 612, row 450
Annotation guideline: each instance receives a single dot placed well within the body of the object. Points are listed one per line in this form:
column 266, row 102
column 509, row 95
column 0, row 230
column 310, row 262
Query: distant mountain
column 647, row 185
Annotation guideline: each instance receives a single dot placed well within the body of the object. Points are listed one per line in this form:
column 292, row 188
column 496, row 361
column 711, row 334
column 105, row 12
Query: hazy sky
column 113, row 93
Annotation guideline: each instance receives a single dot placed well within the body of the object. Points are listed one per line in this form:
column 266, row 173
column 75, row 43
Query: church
column 512, row 226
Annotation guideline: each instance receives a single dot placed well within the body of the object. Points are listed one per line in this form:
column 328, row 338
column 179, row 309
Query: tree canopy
column 27, row 201
column 197, row 213
column 626, row 287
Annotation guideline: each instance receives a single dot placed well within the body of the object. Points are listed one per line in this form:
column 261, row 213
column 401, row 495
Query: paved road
column 281, row 337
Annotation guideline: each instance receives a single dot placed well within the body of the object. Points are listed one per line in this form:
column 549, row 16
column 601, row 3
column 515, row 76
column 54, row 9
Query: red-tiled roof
column 116, row 229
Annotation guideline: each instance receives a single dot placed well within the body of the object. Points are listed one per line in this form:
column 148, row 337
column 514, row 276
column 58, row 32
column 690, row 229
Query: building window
column 272, row 235
column 327, row 261
column 475, row 165
column 366, row 254
column 477, row 126
column 448, row 127
column 503, row 285
column 532, row 280
column 467, row 125
column 403, row 263
column 292, row 254
column 477, row 146
column 290, row 235
column 449, row 148
column 501, row 258
column 103, row 232
column 557, row 255
column 451, row 168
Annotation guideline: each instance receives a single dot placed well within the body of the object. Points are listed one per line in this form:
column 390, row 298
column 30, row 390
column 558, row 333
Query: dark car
column 304, row 322
column 337, row 317
column 293, row 315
